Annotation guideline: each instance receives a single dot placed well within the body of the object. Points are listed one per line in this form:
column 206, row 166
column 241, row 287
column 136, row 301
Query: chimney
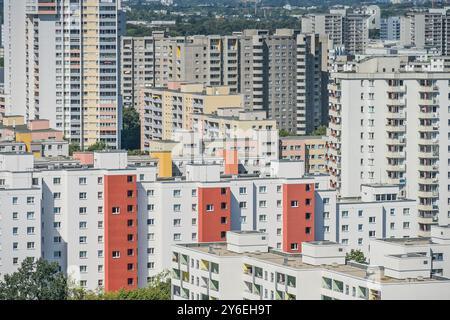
column 231, row 161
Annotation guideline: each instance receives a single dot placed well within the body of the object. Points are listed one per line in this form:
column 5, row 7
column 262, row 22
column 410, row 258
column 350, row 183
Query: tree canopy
column 34, row 280
column 356, row 255
column 131, row 132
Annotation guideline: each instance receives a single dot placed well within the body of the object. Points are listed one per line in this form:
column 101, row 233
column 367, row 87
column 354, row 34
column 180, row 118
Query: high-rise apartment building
column 62, row 64
column 389, row 123
column 283, row 73
column 156, row 60
column 343, row 27
column 427, row 30
column 390, row 28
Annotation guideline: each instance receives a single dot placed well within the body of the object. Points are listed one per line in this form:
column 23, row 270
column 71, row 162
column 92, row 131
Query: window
column 294, row 246
column 194, row 207
column 130, row 208
column 262, row 204
column 30, row 200
column 177, row 236
column 371, row 233
column 150, row 222
column 392, row 211
column 209, row 207
column 294, row 204
column 82, row 195
column 278, row 188
column 14, row 200
column 83, row 254
column 150, row 193
column 150, row 236
column 242, row 190
column 99, row 195
column 392, row 226
column 360, row 213
column 150, row 207
column 130, row 223
column 177, row 207
column 406, row 211
column 223, row 190
column 243, row 205
column 177, row 222
column 83, row 239
column 223, row 205
column 129, row 178
column 82, row 180
column 405, row 225
column 308, row 202
column 30, row 215
column 100, row 180
column 371, row 219
column 308, row 230
column 262, row 189
column 83, row 224
column 56, row 195
column 223, row 220
column 82, row 210
column 194, row 192
column 116, row 254
column 344, row 228
column 115, row 210
column 360, row 227
column 100, row 210
column 262, row 218
column 344, row 214
column 56, row 180
column 130, row 193
column 177, row 193
column 83, row 269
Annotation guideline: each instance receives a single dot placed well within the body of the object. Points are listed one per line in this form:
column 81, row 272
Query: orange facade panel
column 298, row 215
column 120, row 210
column 214, row 213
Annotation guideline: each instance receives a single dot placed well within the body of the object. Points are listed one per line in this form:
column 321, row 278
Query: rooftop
column 294, row 261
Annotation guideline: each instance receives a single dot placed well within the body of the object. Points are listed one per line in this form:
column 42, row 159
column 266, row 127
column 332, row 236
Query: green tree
column 34, row 280
column 320, row 131
column 158, row 289
column 99, row 145
column 356, row 255
column 73, row 147
column 131, row 132
column 284, row 133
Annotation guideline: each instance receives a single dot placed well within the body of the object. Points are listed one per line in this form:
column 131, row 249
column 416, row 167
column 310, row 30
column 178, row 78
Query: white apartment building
column 246, row 268
column 343, row 27
column 20, row 211
column 376, row 213
column 62, row 64
column 389, row 124
column 427, row 30
column 110, row 224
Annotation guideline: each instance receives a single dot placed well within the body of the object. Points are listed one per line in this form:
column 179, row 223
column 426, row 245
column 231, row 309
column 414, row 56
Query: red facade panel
column 120, row 210
column 298, row 216
column 213, row 213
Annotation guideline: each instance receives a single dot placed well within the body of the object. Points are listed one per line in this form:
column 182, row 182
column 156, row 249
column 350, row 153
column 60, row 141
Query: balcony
column 395, row 154
column 398, row 167
column 395, row 128
column 395, row 102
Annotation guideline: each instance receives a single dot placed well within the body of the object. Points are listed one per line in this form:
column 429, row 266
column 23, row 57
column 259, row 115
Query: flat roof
column 295, row 261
